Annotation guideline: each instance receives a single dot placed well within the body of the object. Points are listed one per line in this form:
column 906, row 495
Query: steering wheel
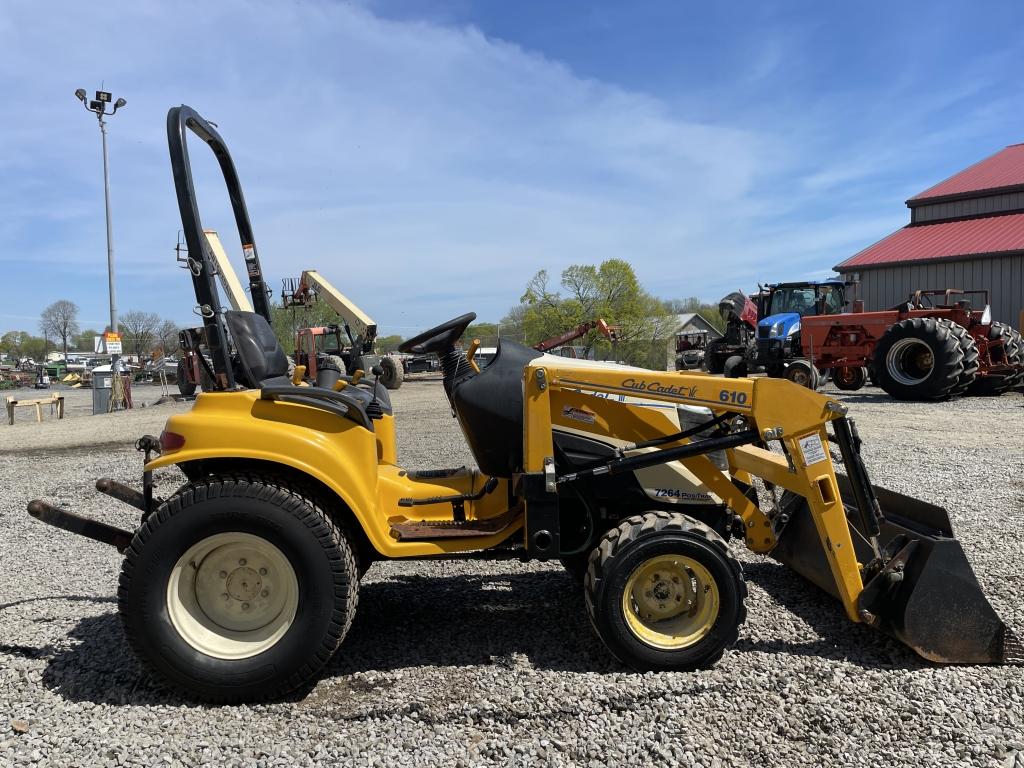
column 440, row 338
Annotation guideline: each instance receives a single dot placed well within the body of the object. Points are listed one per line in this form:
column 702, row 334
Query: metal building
column 965, row 232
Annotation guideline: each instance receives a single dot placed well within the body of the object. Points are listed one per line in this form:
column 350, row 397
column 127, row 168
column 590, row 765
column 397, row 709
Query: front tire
column 663, row 592
column 394, row 374
column 735, row 367
column 801, row 372
column 237, row 589
column 715, row 356
column 849, row 378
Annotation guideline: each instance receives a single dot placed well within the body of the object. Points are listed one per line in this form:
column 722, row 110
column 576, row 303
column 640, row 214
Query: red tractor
column 919, row 350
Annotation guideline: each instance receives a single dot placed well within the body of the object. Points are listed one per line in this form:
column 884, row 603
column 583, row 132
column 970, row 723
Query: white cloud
column 426, row 169
column 405, row 160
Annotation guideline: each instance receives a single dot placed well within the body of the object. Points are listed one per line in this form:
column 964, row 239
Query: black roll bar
column 180, row 120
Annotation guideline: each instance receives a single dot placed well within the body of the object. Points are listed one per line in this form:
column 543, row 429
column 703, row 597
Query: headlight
column 776, row 330
column 794, row 329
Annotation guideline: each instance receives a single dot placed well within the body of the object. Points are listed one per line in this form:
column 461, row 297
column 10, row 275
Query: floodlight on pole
column 98, row 106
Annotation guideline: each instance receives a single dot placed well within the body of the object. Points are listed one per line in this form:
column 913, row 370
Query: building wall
column 1003, row 276
column 973, row 206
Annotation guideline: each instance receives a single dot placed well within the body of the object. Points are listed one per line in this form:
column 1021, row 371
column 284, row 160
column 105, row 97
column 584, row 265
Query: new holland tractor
column 242, row 583
column 778, row 347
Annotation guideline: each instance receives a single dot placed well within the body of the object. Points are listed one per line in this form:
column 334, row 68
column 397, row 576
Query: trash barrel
column 102, row 385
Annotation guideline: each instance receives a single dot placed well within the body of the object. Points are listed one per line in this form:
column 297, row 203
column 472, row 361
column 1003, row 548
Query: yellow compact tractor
column 244, row 582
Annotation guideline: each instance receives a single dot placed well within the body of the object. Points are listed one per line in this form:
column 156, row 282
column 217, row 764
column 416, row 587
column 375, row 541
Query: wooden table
column 55, row 401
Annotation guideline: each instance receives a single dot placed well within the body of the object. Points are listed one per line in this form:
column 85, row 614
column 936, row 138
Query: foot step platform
column 422, row 530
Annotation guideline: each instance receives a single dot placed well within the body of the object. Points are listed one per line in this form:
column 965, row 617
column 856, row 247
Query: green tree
column 10, row 343
column 610, row 291
column 33, row 347
column 486, row 332
column 387, row 344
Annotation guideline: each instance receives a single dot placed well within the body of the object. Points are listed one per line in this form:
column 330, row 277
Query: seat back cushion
column 258, row 349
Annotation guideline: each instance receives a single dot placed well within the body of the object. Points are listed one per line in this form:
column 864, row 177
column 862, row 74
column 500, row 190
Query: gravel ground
column 494, row 663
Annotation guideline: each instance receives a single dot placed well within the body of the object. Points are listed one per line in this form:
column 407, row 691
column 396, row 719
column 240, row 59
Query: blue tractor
column 777, row 348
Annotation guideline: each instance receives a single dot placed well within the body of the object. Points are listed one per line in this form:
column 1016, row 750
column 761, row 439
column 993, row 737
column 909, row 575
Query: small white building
column 685, row 347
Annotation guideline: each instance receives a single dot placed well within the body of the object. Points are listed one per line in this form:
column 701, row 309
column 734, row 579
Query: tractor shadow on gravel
column 838, row 639
column 501, row 619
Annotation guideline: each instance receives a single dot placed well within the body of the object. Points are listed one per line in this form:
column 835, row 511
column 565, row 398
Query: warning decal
column 812, row 449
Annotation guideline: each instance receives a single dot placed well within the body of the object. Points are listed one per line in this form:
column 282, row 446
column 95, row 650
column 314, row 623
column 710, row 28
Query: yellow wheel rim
column 670, row 602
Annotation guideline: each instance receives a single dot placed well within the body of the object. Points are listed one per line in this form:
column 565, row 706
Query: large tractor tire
column 918, row 359
column 1009, row 353
column 735, row 367
column 393, row 375
column 663, row 592
column 185, row 386
column 1018, row 340
column 972, row 359
column 715, row 356
column 849, row 378
column 801, row 372
column 238, row 589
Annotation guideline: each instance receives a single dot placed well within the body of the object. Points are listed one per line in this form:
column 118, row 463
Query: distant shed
column 965, row 232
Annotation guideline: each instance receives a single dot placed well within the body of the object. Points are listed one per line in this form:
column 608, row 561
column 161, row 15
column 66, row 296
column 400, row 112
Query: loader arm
column 358, row 322
column 891, row 560
column 795, row 417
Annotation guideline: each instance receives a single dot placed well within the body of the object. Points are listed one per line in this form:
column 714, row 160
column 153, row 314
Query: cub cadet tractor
column 242, row 583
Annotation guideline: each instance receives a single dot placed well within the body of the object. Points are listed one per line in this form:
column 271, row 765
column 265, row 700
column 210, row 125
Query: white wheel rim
column 232, row 595
column 908, row 355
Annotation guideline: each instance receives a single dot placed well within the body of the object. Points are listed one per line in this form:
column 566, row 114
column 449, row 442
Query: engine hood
column 784, row 323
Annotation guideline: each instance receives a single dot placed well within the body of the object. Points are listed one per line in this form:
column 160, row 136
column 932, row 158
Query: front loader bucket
column 926, row 595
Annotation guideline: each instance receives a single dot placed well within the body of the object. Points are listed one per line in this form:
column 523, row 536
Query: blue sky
column 430, row 157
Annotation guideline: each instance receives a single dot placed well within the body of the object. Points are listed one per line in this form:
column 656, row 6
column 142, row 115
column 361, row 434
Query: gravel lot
column 460, row 664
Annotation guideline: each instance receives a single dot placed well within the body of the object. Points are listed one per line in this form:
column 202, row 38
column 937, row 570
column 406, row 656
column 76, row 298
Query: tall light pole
column 98, row 106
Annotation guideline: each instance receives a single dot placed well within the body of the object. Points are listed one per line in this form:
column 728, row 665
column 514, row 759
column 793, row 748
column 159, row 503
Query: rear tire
column 186, row 387
column 918, row 359
column 393, row 375
column 663, row 592
column 1009, row 353
column 237, row 589
column 972, row 361
column 849, row 378
column 1018, row 378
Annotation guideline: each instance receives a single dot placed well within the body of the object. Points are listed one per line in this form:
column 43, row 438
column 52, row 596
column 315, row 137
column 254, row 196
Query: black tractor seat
column 265, row 366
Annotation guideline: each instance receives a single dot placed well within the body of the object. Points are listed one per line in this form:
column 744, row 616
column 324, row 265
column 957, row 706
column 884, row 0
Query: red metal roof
column 925, row 242
column 1003, row 169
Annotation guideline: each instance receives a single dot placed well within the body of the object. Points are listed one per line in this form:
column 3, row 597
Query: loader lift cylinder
column 867, row 505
